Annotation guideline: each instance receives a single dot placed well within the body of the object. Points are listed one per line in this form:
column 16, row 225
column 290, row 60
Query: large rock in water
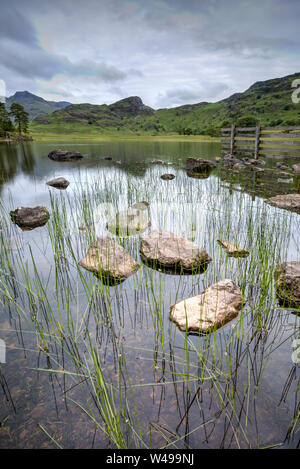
column 164, row 249
column 287, row 281
column 109, row 261
column 217, row 305
column 29, row 218
column 58, row 183
column 64, row 155
column 130, row 222
column 286, row 201
column 199, row 165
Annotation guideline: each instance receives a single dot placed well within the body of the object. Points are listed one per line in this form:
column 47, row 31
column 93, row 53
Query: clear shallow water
column 249, row 396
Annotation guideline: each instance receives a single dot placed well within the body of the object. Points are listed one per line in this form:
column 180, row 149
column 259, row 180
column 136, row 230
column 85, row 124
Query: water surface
column 236, row 388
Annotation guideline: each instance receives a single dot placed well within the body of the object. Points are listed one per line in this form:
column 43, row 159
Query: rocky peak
column 131, row 106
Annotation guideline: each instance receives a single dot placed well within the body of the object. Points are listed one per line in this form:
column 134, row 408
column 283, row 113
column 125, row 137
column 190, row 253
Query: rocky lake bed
column 154, row 301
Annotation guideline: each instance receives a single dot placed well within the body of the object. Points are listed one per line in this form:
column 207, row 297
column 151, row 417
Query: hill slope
column 35, row 105
column 268, row 102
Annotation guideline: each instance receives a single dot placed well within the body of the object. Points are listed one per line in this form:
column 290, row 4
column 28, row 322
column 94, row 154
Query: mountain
column 104, row 115
column 266, row 101
column 35, row 105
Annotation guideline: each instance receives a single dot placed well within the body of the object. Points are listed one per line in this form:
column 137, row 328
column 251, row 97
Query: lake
column 90, row 364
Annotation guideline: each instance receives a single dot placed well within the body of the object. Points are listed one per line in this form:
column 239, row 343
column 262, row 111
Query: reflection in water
column 15, row 158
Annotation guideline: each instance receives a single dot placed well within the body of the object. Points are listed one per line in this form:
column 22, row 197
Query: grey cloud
column 15, row 26
column 21, row 53
column 180, row 96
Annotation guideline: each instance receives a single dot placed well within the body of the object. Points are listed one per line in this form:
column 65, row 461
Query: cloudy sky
column 168, row 52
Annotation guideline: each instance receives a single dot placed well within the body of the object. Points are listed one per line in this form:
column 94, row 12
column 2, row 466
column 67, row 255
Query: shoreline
column 62, row 137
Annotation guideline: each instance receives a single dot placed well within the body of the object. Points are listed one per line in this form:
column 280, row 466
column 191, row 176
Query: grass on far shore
column 107, row 137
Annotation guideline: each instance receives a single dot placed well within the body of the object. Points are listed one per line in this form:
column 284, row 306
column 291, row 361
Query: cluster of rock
column 163, row 250
column 216, row 306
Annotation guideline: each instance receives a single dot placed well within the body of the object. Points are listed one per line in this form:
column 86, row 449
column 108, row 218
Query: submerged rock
column 58, row 183
column 64, row 155
column 167, row 177
column 29, row 218
column 217, row 305
column 130, row 222
column 286, row 201
column 109, row 261
column 164, row 249
column 233, row 250
column 287, row 281
column 200, row 165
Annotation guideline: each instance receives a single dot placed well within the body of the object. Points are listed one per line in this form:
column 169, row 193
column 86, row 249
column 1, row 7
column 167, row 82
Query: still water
column 236, row 388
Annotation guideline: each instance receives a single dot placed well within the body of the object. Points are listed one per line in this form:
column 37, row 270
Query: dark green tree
column 20, row 116
column 6, row 124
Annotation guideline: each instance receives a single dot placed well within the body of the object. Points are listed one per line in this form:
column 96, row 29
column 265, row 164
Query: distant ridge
column 269, row 102
column 35, row 105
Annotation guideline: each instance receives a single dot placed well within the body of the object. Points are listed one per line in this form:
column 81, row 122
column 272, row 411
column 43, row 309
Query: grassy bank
column 40, row 136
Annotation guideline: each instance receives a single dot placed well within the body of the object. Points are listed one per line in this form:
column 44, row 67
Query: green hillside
column 35, row 105
column 268, row 102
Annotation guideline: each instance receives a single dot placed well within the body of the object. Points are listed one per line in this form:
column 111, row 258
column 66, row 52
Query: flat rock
column 64, row 155
column 29, row 218
column 296, row 168
column 164, row 249
column 233, row 250
column 109, row 261
column 286, row 201
column 200, row 165
column 58, row 183
column 130, row 222
column 287, row 281
column 167, row 177
column 216, row 306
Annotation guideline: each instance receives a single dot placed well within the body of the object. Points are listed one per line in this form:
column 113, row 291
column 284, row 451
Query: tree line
column 14, row 120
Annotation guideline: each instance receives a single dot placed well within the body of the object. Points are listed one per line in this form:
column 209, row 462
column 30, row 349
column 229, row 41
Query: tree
column 6, row 124
column 20, row 116
column 247, row 121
